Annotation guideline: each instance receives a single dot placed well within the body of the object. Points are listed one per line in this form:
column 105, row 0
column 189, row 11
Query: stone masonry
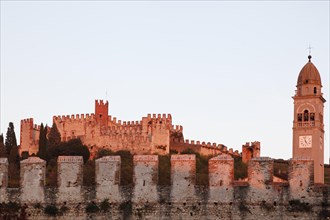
column 258, row 197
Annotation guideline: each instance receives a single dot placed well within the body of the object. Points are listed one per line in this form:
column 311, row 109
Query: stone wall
column 145, row 199
column 153, row 134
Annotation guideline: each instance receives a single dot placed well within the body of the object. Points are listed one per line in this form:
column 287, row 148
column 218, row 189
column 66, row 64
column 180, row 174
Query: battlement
column 27, row 121
column 158, row 119
column 177, row 128
column 101, row 102
column 258, row 192
column 250, row 150
column 76, row 117
column 205, row 148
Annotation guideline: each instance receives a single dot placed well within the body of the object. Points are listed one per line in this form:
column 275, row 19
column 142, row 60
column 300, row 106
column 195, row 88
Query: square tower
column 308, row 125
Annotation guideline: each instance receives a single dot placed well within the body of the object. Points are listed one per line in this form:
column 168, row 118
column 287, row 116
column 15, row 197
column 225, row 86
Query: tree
column 14, row 156
column 54, row 136
column 10, row 138
column 3, row 152
column 73, row 147
column 42, row 153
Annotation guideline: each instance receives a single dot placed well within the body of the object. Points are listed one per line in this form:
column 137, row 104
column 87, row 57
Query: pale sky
column 226, row 71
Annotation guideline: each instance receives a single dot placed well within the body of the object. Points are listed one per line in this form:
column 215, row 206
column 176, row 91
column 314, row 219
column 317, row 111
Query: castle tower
column 308, row 125
column 101, row 112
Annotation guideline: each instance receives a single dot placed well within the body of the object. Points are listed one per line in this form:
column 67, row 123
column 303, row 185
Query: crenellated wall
column 222, row 199
column 153, row 134
column 29, row 137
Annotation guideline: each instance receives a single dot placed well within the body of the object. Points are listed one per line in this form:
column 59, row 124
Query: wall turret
column 102, row 112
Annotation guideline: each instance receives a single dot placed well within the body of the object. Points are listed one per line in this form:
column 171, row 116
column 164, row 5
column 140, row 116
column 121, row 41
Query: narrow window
column 299, row 117
column 306, row 115
column 315, row 90
column 312, row 116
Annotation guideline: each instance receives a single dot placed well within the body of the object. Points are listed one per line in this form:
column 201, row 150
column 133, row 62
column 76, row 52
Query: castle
column 302, row 196
column 154, row 134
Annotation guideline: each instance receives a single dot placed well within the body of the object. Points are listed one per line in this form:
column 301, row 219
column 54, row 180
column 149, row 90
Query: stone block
column 3, row 179
column 183, row 177
column 221, row 176
column 221, row 171
column 33, row 175
column 107, row 178
column 145, row 178
column 70, row 178
column 301, row 176
column 260, row 172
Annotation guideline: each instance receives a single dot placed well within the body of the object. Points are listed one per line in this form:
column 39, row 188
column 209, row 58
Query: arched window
column 306, row 115
column 312, row 116
column 315, row 90
column 299, row 117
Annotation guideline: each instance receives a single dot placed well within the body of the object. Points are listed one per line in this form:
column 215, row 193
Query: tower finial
column 309, row 53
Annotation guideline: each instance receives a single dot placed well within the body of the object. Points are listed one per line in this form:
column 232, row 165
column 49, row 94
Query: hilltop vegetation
column 51, row 147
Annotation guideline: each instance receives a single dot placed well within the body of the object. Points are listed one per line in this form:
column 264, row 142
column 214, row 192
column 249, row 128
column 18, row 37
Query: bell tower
column 308, row 125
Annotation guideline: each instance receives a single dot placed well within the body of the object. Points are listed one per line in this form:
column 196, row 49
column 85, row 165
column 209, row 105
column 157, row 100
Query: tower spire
column 309, row 52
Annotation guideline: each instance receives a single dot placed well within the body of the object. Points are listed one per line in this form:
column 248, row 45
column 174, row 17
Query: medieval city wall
column 222, row 199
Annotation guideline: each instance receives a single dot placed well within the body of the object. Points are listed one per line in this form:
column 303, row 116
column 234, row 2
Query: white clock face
column 305, row 141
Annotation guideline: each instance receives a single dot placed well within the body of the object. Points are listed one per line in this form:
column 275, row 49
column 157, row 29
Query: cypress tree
column 54, row 136
column 42, row 153
column 2, row 147
column 10, row 138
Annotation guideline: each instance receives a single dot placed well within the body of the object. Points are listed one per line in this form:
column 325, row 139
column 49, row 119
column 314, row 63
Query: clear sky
column 226, row 71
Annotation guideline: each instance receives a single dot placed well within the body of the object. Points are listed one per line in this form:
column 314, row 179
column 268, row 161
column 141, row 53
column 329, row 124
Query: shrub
column 105, row 205
column 89, row 173
column 240, row 169
column 202, row 170
column 92, row 207
column 297, row 206
column 164, row 172
column 51, row 210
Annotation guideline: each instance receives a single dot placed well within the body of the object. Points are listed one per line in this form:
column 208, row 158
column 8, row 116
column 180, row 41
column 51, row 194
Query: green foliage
column 202, row 170
column 9, row 210
column 54, row 136
column 267, row 206
column 42, row 153
column 51, row 173
column 126, row 176
column 243, row 208
column 10, row 138
column 3, row 152
column 103, row 152
column 89, row 173
column 177, row 135
column 105, row 205
column 164, row 170
column 38, row 206
column 13, row 169
column 297, row 206
column 25, row 155
column 240, row 169
column 326, row 174
column 73, row 147
column 174, row 152
column 324, row 214
column 92, row 207
column 51, row 210
column 126, row 207
column 63, row 209
column 14, row 156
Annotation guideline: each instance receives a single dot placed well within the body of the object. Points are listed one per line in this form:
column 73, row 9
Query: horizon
column 225, row 71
